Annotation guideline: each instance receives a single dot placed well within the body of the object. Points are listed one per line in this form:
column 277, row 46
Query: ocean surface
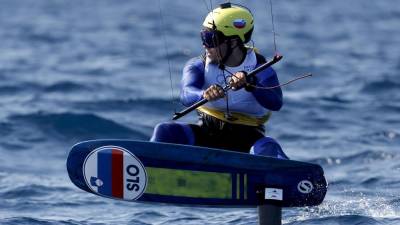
column 78, row 70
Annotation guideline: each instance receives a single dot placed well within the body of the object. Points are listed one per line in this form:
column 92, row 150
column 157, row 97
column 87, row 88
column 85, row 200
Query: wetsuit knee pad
column 268, row 146
column 177, row 133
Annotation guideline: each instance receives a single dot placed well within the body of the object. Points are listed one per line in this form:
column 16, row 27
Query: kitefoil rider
column 231, row 120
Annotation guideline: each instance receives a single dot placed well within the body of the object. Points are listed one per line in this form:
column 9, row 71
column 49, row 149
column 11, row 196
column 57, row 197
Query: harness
column 208, row 114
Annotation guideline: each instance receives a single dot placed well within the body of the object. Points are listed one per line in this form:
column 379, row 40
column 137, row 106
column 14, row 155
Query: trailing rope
column 281, row 85
column 272, row 87
column 273, row 27
column 164, row 36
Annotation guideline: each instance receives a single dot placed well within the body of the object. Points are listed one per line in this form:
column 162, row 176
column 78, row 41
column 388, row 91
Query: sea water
column 79, row 70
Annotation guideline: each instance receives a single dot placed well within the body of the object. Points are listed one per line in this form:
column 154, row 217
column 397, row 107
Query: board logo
column 113, row 171
column 305, row 186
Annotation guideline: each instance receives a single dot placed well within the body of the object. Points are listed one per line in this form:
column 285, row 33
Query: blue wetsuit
column 213, row 132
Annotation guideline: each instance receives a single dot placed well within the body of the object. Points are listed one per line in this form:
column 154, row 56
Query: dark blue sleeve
column 270, row 99
column 192, row 81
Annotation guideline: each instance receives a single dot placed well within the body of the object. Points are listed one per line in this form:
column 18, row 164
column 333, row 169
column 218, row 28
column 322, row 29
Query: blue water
column 78, row 70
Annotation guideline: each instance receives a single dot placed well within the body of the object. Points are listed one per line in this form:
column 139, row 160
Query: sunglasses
column 211, row 39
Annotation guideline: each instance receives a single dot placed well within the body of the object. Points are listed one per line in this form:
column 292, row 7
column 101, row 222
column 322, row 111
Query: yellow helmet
column 231, row 20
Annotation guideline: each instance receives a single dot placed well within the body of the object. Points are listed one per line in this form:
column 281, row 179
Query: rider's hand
column 238, row 80
column 214, row 92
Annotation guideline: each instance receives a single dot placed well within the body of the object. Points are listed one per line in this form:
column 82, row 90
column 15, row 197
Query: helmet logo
column 239, row 23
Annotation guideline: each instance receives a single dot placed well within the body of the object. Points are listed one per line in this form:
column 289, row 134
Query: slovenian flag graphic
column 239, row 23
column 110, row 171
column 108, row 179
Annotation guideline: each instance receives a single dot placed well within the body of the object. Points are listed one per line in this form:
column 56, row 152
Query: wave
column 28, row 191
column 35, row 221
column 336, row 99
column 5, row 128
column 44, row 36
column 138, row 222
column 77, row 127
column 358, row 158
column 384, row 136
column 149, row 214
column 9, row 141
column 65, row 86
column 61, row 86
column 352, row 209
column 382, row 86
column 83, row 68
column 9, row 89
column 154, row 104
column 395, row 202
column 185, row 220
column 20, row 87
column 344, row 220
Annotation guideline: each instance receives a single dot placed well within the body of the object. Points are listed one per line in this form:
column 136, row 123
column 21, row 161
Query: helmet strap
column 238, row 48
column 228, row 52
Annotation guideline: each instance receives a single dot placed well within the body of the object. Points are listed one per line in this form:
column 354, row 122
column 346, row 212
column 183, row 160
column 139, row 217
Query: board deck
column 189, row 175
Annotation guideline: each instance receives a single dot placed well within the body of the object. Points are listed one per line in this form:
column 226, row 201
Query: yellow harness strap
column 237, row 118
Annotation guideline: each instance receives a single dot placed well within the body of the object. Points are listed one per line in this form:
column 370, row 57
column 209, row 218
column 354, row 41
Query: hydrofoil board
column 190, row 175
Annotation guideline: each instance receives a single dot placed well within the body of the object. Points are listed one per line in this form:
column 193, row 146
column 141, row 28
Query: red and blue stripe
column 111, row 172
column 239, row 23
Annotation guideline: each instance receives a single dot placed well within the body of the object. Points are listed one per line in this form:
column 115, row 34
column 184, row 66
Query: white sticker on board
column 273, row 194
